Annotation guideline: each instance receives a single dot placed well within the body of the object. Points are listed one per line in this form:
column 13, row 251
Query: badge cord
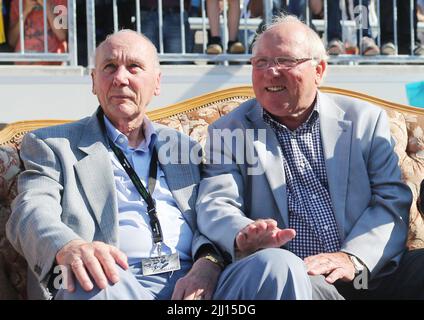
column 147, row 195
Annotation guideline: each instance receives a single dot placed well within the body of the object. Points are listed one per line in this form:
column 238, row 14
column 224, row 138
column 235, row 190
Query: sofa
column 192, row 117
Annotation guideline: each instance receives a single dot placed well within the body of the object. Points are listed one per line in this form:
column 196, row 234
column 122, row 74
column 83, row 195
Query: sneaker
column 369, row 48
column 214, row 46
column 214, row 49
column 351, row 49
column 419, row 50
column 235, row 47
column 388, row 49
column 335, row 47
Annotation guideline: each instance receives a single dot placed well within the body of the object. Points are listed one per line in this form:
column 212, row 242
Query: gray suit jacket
column 68, row 192
column 370, row 203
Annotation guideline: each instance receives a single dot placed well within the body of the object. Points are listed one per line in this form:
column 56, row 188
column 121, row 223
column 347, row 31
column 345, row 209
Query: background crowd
column 339, row 38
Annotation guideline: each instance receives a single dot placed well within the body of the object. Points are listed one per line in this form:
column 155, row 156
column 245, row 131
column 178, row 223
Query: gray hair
column 316, row 47
column 138, row 34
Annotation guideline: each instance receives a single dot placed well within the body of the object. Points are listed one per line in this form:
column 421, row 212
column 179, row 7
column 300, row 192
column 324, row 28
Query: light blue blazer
column 370, row 202
column 68, row 192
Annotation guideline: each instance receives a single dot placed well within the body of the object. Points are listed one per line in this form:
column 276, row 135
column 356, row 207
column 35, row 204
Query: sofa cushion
column 10, row 166
column 407, row 131
column 12, row 265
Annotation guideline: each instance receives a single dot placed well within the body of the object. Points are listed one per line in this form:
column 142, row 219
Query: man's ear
column 320, row 69
column 157, row 84
column 93, row 75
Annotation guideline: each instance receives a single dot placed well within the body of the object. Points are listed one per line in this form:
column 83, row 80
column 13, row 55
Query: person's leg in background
column 254, row 9
column 404, row 29
column 215, row 42
column 104, row 20
column 172, row 39
column 403, row 26
column 234, row 45
column 387, row 28
column 367, row 45
column 82, row 33
column 149, row 25
column 195, row 11
column 298, row 8
column 335, row 45
column 233, row 17
column 127, row 14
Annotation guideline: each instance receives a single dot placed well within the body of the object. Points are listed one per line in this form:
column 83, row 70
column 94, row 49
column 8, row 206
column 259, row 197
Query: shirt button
column 314, row 196
column 326, row 228
column 121, row 140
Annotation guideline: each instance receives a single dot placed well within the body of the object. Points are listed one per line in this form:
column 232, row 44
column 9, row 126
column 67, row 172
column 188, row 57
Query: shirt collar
column 121, row 140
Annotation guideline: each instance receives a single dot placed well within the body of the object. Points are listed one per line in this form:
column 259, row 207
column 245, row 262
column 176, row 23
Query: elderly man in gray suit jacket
column 105, row 208
column 310, row 173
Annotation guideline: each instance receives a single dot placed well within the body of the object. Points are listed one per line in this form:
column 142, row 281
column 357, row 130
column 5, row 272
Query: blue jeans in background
column 171, row 30
column 334, row 29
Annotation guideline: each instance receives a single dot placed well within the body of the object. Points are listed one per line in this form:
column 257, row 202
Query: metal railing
column 358, row 21
column 24, row 55
column 247, row 27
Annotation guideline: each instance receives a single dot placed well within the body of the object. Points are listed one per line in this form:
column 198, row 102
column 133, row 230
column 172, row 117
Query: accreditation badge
column 161, row 264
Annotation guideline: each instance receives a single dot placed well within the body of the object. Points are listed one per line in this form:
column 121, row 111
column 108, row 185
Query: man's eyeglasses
column 283, row 62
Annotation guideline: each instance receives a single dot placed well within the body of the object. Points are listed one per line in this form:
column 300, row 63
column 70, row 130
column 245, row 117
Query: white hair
column 316, row 47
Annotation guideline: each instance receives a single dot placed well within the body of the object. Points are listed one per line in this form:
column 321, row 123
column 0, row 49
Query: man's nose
column 273, row 70
column 121, row 76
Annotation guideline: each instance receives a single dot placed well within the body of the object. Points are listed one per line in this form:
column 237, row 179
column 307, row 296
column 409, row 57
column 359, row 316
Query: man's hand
column 334, row 266
column 96, row 259
column 199, row 282
column 262, row 234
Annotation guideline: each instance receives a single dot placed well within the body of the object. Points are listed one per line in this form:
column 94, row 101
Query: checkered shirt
column 309, row 203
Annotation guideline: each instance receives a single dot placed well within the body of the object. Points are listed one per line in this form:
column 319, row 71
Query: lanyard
column 147, row 195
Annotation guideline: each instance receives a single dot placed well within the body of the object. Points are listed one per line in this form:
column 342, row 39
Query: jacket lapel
column 336, row 136
column 271, row 160
column 96, row 177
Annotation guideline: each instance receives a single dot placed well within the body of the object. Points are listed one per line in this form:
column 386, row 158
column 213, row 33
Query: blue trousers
column 269, row 274
column 171, row 30
column 334, row 29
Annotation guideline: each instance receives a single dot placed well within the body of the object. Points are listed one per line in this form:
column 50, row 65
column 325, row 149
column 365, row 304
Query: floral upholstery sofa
column 192, row 117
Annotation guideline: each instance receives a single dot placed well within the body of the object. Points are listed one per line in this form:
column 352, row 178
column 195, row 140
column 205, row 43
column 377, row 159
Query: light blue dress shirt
column 135, row 236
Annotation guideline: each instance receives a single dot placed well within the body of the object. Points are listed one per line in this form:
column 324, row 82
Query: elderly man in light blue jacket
column 312, row 174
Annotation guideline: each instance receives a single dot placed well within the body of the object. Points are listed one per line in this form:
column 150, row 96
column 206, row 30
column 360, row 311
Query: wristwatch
column 357, row 264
